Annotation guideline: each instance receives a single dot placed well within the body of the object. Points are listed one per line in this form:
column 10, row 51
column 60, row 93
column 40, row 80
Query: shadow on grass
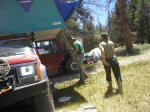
column 69, row 91
column 91, row 68
column 112, row 93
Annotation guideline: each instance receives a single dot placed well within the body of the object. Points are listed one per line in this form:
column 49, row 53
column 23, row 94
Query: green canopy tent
column 41, row 15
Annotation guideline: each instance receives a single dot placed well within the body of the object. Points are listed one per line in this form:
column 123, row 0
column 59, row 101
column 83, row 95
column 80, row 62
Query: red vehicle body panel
column 17, row 59
column 52, row 60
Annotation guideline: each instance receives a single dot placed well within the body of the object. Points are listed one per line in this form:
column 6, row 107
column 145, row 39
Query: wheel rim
column 74, row 66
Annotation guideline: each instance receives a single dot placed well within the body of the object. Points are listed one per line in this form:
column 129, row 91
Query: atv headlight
column 27, row 70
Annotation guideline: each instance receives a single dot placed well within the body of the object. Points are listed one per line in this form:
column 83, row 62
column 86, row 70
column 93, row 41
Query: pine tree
column 115, row 27
column 125, row 24
column 139, row 15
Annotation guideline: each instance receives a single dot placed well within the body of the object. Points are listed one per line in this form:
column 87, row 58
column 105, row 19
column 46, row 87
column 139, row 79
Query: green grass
column 136, row 97
column 137, row 49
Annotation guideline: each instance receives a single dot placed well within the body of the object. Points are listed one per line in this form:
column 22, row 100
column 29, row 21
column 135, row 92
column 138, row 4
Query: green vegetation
column 138, row 12
column 128, row 23
column 137, row 49
column 136, row 95
column 139, row 18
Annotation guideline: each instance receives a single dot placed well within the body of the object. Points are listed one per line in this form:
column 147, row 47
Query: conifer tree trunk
column 125, row 25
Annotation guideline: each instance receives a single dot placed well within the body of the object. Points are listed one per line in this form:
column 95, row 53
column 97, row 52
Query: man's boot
column 109, row 88
column 120, row 89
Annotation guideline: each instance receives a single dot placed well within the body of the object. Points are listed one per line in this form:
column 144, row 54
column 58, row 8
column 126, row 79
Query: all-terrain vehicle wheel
column 71, row 66
column 44, row 102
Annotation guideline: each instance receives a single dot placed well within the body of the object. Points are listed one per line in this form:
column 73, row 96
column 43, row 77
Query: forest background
column 128, row 22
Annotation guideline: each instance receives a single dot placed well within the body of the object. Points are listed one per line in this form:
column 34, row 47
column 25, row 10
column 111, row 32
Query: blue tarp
column 42, row 15
column 66, row 8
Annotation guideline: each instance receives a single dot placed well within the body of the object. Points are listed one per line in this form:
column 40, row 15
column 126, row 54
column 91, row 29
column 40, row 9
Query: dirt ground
column 142, row 57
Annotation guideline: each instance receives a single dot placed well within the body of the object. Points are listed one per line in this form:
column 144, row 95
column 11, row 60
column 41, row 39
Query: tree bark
column 125, row 25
